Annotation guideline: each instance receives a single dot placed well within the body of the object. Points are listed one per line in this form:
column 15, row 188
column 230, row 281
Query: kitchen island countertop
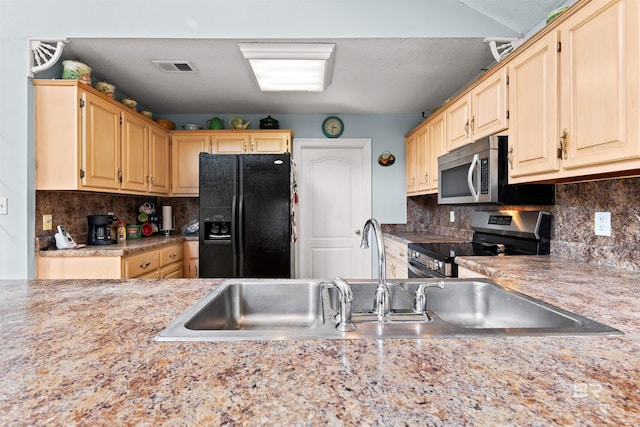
column 82, row 353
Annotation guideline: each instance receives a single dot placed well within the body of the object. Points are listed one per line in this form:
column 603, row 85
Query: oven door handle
column 472, row 168
column 420, row 273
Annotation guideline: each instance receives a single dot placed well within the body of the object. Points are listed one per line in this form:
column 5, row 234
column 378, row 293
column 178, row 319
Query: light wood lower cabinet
column 165, row 262
column 191, row 259
column 396, row 262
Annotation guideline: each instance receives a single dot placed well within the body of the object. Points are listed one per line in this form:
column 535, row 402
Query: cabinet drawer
column 137, row 265
column 171, row 254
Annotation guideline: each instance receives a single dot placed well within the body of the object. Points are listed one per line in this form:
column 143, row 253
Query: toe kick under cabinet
column 165, row 262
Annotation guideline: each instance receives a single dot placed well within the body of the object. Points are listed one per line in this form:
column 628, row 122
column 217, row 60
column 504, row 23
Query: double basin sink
column 269, row 309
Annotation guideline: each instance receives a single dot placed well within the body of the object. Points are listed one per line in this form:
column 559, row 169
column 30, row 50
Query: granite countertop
column 82, row 353
column 128, row 247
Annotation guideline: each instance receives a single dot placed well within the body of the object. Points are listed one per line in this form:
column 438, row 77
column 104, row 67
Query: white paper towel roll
column 167, row 218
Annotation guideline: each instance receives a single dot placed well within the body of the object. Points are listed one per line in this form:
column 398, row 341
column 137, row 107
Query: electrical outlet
column 452, row 216
column 603, row 224
column 47, row 222
column 4, row 210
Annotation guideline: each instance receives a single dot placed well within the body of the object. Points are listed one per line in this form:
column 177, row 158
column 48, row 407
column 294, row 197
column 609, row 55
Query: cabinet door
column 437, row 141
column 158, row 161
column 599, row 74
column 410, row 153
column 191, row 268
column 173, row 271
column 185, row 163
column 135, row 153
column 230, row 143
column 421, row 162
column 459, row 123
column 489, row 105
column 270, row 143
column 100, row 143
column 533, row 98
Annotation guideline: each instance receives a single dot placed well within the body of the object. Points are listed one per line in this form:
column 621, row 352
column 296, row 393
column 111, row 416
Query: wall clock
column 332, row 127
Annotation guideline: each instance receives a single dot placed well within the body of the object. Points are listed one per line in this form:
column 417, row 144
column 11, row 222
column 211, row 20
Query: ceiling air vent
column 175, row 66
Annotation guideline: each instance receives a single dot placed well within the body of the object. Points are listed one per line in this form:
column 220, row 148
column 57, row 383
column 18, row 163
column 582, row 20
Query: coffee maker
column 99, row 230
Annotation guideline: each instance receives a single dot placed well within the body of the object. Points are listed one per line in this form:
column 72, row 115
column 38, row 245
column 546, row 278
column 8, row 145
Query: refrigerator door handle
column 240, row 229
column 234, row 236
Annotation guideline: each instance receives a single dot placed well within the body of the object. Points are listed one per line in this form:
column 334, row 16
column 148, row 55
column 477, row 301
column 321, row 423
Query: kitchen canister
column 75, row 70
column 134, row 231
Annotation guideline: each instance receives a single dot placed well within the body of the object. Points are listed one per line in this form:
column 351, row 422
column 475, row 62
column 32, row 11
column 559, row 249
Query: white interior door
column 334, row 201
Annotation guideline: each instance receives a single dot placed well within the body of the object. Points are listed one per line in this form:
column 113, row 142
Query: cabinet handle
column 426, row 178
column 145, row 265
column 252, row 147
column 562, row 151
column 172, row 256
column 152, row 181
column 119, row 175
column 510, row 157
column 196, row 270
column 473, row 124
column 148, row 179
column 466, row 128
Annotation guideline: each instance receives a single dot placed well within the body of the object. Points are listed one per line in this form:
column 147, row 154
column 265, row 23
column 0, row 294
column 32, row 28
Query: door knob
column 358, row 232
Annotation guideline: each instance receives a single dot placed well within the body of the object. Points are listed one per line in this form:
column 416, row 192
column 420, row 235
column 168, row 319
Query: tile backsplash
column 70, row 208
column 572, row 232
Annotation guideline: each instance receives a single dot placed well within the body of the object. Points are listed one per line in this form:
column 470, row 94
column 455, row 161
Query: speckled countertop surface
column 82, row 353
column 128, row 247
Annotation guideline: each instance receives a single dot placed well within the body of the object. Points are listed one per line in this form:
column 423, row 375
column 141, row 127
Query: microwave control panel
column 484, row 175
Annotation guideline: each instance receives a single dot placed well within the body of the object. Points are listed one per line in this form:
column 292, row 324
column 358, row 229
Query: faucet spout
column 381, row 304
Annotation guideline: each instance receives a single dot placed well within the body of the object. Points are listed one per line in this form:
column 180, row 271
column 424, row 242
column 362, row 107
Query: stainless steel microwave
column 478, row 173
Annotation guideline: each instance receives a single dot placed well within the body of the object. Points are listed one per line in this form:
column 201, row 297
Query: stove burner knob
column 437, row 265
column 414, row 255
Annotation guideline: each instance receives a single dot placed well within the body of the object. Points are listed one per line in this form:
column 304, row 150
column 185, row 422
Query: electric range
column 496, row 233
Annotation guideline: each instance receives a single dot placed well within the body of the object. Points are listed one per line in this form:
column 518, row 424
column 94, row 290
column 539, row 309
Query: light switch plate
column 603, row 224
column 4, row 210
column 452, row 216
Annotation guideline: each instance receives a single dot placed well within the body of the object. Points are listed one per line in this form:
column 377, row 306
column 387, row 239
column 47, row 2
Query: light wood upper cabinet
column 88, row 141
column 229, row 143
column 159, row 161
column 423, row 147
column 135, row 153
column 533, row 97
column 270, row 143
column 575, row 97
column 437, row 135
column 599, row 84
column 185, row 162
column 410, row 165
column 480, row 112
column 100, row 140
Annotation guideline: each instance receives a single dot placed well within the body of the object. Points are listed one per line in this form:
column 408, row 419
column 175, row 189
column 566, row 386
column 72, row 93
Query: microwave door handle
column 472, row 168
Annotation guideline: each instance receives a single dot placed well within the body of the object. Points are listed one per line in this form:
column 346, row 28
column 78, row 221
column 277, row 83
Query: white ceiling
column 376, row 74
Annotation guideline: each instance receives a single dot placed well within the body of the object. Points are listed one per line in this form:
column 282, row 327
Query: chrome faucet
column 346, row 300
column 420, row 301
column 381, row 305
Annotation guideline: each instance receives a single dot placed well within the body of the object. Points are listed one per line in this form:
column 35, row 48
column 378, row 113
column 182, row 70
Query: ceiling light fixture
column 304, row 67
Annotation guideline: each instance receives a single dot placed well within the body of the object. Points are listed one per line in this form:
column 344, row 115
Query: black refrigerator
column 245, row 215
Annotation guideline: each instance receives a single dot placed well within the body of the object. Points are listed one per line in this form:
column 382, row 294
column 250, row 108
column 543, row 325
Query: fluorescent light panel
column 290, row 66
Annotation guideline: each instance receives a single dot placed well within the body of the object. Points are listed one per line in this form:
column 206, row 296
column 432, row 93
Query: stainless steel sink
column 272, row 309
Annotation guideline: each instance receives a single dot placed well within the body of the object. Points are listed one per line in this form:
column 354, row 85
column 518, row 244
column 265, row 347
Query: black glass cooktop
column 450, row 250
